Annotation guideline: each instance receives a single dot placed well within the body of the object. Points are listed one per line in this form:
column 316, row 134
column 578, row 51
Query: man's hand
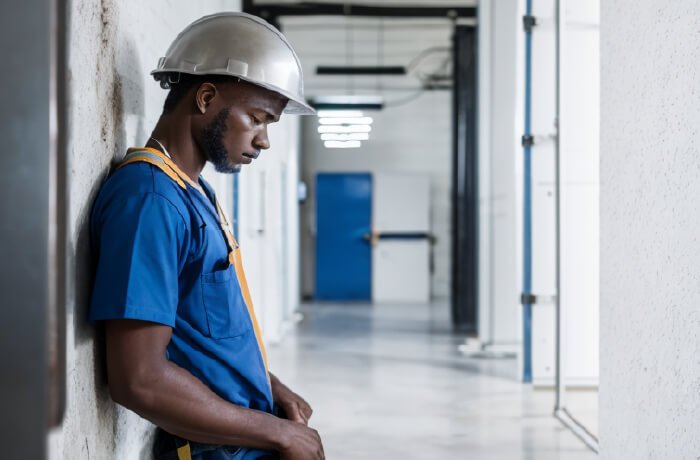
column 294, row 405
column 301, row 443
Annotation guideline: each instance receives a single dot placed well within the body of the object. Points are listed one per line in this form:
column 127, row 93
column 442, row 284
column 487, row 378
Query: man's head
column 233, row 73
column 228, row 117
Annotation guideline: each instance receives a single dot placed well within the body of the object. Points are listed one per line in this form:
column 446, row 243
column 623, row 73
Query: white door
column 401, row 248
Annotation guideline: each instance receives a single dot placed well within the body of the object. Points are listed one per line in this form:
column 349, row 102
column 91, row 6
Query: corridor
column 387, row 382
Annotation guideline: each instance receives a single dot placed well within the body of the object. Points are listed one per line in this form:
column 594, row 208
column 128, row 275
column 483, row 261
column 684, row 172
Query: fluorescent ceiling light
column 346, row 121
column 342, row 144
column 345, row 129
column 349, row 99
column 339, row 113
column 345, row 137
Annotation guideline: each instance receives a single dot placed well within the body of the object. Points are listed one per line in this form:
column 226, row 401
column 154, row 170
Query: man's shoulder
column 135, row 180
column 141, row 177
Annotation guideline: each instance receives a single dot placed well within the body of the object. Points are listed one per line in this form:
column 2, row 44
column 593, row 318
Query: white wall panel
column 400, row 202
column 500, row 159
column 579, row 194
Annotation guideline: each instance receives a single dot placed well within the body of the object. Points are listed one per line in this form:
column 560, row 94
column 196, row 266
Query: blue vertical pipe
column 527, row 209
column 235, row 206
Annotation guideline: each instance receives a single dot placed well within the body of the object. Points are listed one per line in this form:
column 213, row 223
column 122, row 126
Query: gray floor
column 582, row 404
column 387, row 382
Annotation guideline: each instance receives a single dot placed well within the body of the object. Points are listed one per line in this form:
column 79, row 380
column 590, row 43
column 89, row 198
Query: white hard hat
column 240, row 45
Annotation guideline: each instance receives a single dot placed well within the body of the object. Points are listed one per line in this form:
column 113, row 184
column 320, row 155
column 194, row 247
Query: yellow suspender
column 184, row 453
column 165, row 164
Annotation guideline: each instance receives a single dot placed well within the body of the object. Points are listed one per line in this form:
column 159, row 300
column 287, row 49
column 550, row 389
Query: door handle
column 372, row 238
column 375, row 236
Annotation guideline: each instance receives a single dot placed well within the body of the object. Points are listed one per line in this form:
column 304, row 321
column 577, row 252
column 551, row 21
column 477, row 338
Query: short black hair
column 180, row 84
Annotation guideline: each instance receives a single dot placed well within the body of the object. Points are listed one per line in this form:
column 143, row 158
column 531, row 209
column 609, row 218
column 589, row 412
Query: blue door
column 343, row 254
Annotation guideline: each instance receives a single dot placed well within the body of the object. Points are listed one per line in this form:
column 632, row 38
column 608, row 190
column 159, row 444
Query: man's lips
column 250, row 157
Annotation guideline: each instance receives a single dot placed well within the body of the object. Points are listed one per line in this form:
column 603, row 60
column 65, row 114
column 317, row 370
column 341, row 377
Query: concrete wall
column 650, row 181
column 113, row 103
column 411, row 135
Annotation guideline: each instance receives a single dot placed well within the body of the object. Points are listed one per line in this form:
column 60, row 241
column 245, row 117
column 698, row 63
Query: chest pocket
column 227, row 314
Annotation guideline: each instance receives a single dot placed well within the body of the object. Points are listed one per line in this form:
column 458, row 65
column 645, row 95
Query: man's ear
column 204, row 96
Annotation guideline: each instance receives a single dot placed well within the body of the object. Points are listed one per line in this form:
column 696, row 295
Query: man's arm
column 142, row 379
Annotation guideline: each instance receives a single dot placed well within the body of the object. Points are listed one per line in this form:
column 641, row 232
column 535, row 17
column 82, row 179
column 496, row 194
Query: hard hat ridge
column 239, row 45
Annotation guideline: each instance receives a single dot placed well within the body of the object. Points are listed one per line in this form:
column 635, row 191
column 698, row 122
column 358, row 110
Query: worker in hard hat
column 183, row 346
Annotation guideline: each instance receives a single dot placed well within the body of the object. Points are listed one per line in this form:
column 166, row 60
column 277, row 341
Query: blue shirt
column 162, row 257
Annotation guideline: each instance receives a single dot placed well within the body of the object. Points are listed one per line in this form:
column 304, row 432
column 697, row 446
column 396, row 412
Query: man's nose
column 261, row 140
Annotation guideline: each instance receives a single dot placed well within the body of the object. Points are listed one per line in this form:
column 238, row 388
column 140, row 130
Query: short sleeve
column 138, row 245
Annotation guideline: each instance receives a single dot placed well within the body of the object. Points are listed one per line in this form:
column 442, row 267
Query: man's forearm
column 181, row 404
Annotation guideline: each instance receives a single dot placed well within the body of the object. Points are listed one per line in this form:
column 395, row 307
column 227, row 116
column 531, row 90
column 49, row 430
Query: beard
column 213, row 144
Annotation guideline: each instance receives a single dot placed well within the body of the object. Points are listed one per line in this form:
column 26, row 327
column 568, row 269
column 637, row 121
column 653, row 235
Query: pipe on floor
column 578, row 429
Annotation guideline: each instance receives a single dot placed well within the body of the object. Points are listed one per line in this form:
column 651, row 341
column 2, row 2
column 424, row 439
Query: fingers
column 296, row 414
column 299, row 418
column 307, row 410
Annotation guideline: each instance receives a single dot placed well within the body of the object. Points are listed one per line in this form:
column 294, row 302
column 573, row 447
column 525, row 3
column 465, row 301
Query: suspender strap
column 184, row 452
column 159, row 160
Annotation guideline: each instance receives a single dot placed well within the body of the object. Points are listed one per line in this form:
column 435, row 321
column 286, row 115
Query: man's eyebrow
column 270, row 117
column 269, row 108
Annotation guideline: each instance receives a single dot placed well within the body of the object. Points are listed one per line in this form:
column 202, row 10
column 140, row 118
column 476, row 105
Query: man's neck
column 177, row 139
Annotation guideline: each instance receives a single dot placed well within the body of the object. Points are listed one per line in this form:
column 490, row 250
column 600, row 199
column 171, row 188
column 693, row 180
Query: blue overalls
column 165, row 254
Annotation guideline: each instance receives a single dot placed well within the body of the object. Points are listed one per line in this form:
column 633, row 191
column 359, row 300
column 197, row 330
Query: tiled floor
column 387, row 382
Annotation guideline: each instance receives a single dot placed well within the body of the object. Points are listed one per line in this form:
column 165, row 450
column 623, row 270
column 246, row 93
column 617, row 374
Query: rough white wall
column 650, row 181
column 112, row 103
column 412, row 134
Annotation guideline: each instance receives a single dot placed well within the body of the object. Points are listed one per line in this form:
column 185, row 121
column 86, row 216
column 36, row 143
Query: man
column 183, row 345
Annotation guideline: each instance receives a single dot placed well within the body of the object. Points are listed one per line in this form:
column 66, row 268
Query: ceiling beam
column 273, row 11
